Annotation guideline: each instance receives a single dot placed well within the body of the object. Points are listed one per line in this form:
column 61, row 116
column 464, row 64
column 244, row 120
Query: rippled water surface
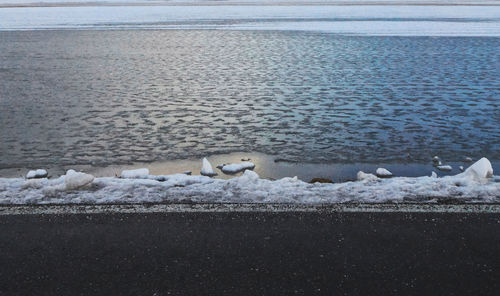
column 111, row 97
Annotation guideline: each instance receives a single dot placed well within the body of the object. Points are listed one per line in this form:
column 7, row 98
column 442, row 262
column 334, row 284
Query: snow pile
column 362, row 176
column 40, row 173
column 135, row 174
column 237, row 167
column 476, row 184
column 74, row 180
column 207, row 169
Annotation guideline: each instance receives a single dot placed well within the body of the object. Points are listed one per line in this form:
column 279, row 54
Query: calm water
column 113, row 97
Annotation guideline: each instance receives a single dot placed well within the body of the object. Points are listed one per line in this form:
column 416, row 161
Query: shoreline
column 266, row 165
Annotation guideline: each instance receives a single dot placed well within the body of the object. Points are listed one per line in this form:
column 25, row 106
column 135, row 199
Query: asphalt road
column 250, row 253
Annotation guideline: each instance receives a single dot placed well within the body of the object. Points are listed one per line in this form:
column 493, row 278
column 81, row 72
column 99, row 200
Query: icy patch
column 383, row 173
column 476, row 184
column 207, row 169
column 40, row 173
column 237, row 167
column 135, row 174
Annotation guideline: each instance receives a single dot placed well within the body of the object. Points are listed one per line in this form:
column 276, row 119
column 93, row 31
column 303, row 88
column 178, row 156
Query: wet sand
column 251, row 253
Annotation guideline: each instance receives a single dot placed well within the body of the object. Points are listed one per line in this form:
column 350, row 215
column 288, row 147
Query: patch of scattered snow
column 237, row 167
column 207, row 169
column 135, row 174
column 40, row 173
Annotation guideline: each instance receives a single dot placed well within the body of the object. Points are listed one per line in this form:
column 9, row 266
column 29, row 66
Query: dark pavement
column 250, row 253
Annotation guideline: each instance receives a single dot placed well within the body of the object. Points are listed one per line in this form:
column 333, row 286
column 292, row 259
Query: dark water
column 111, row 97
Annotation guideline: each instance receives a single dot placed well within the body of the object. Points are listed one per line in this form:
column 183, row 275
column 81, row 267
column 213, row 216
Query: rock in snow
column 74, row 180
column 135, row 174
column 34, row 174
column 207, row 169
column 445, row 168
column 237, row 167
column 383, row 173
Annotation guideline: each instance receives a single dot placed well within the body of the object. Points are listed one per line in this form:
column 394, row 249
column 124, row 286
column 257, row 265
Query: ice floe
column 135, row 174
column 40, row 173
column 237, row 167
column 207, row 169
column 445, row 168
column 476, row 184
column 383, row 173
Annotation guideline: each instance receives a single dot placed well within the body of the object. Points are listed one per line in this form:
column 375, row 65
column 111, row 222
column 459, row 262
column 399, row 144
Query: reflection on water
column 114, row 97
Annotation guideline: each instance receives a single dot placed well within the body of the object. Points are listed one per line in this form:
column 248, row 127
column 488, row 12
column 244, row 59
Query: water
column 114, row 97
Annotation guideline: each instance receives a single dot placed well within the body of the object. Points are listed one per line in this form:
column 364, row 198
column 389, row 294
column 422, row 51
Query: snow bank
column 476, row 184
column 237, row 167
column 40, row 173
column 207, row 169
column 135, row 174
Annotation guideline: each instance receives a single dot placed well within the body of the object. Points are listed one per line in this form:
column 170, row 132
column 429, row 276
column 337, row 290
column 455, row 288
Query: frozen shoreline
column 476, row 185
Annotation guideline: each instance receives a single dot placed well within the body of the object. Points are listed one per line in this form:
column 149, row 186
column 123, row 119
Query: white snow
column 207, row 169
column 40, row 173
column 237, row 167
column 383, row 173
column 473, row 185
column 445, row 168
column 135, row 174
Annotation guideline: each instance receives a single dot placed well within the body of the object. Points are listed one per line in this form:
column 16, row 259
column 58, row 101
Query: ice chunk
column 434, row 175
column 445, row 168
column 468, row 159
column 237, row 167
column 481, row 169
column 362, row 176
column 74, row 180
column 40, row 173
column 461, row 168
column 207, row 169
column 135, row 174
column 383, row 173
